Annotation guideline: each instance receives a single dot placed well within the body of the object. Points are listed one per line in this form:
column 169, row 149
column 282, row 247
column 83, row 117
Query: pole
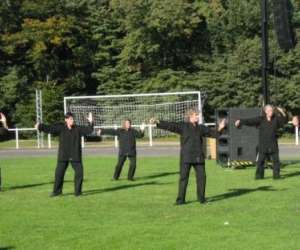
column 150, row 135
column 265, row 50
column 39, row 116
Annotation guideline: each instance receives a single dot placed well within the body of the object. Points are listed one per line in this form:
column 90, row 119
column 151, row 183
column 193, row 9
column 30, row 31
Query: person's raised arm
column 86, row 130
column 213, row 133
column 281, row 116
column 255, row 121
column 54, row 129
column 3, row 121
column 140, row 133
column 108, row 131
column 170, row 126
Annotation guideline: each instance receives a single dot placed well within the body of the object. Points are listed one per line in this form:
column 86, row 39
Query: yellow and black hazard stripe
column 239, row 164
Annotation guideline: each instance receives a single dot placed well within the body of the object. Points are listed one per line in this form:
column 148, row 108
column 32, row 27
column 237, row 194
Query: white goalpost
column 110, row 110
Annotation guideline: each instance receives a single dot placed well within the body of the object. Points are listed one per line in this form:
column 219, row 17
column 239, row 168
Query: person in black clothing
column 127, row 146
column 69, row 150
column 268, row 124
column 191, row 150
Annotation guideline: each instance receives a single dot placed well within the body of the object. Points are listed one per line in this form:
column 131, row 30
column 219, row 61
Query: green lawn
column 241, row 213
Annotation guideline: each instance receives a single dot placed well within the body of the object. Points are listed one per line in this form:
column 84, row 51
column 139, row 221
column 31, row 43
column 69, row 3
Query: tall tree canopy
column 80, row 47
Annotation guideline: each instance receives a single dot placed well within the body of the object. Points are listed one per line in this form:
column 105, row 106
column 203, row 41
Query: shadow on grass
column 293, row 174
column 285, row 163
column 7, row 248
column 238, row 192
column 156, row 175
column 117, row 188
column 29, row 186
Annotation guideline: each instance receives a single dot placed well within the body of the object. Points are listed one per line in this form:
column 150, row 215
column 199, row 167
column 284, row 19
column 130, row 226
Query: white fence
column 150, row 127
column 17, row 132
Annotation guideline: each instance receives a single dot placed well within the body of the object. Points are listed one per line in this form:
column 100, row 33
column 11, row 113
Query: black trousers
column 120, row 164
column 184, row 179
column 260, row 170
column 60, row 174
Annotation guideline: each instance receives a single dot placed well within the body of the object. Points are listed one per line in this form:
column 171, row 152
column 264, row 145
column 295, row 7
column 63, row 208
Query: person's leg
column 132, row 167
column 59, row 177
column 201, row 181
column 119, row 166
column 276, row 165
column 260, row 168
column 78, row 178
column 183, row 181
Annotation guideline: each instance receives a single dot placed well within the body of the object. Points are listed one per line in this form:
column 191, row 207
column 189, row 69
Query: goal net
column 110, row 110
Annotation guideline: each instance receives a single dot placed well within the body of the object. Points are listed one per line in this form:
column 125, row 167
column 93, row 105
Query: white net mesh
column 110, row 111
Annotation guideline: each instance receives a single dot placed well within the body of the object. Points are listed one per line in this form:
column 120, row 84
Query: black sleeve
column 138, row 133
column 108, row 131
column 255, row 121
column 282, row 120
column 174, row 127
column 209, row 132
column 86, row 130
column 4, row 134
column 3, row 131
column 51, row 129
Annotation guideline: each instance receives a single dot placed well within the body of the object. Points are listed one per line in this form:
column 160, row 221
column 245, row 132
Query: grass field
column 241, row 213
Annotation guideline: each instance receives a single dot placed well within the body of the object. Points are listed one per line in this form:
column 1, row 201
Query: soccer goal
column 110, row 110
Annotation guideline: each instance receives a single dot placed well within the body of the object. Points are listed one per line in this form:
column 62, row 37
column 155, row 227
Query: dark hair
column 68, row 115
column 128, row 120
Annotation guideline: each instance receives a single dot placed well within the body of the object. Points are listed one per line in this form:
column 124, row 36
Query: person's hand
column 90, row 118
column 36, row 126
column 281, row 111
column 142, row 127
column 222, row 124
column 153, row 121
column 3, row 120
column 295, row 121
column 237, row 123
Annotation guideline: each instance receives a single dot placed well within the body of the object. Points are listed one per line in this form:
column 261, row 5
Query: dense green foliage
column 79, row 47
column 241, row 213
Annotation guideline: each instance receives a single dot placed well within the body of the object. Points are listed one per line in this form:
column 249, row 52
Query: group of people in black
column 191, row 146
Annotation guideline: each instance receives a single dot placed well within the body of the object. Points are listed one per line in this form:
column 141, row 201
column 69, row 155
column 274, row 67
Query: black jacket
column 69, row 139
column 126, row 138
column 267, row 131
column 191, row 139
column 3, row 134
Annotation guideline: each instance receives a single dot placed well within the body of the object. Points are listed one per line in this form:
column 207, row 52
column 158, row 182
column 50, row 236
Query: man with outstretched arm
column 268, row 125
column 69, row 150
column 191, row 150
column 127, row 146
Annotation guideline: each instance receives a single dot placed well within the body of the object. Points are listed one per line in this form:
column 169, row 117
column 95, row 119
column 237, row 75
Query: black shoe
column 78, row 194
column 114, row 179
column 53, row 194
column 130, row 179
column 178, row 203
column 258, row 178
column 202, row 201
column 277, row 177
